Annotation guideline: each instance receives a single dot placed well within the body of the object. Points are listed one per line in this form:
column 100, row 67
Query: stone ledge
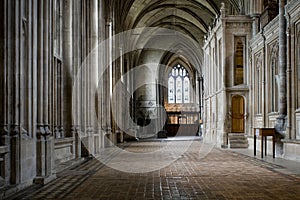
column 4, row 149
column 291, row 150
column 9, row 190
column 64, row 140
column 291, row 141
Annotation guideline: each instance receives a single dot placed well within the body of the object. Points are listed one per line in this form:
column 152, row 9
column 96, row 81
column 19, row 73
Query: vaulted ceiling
column 191, row 17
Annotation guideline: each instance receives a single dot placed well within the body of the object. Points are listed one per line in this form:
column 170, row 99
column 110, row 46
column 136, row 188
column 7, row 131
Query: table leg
column 262, row 146
column 274, row 140
column 254, row 145
column 265, row 145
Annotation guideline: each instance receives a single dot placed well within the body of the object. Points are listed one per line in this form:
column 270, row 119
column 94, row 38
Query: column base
column 280, row 127
column 42, row 180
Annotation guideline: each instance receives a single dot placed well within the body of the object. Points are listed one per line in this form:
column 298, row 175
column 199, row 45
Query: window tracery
column 178, row 85
column 274, row 79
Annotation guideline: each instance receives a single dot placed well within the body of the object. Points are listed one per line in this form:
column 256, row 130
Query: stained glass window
column 179, row 85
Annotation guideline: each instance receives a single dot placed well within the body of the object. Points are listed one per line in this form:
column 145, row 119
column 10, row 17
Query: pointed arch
column 179, row 85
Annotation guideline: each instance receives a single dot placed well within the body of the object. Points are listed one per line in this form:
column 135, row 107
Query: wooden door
column 238, row 113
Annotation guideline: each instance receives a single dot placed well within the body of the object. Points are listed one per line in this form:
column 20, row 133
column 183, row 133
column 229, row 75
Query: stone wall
column 220, row 72
column 43, row 46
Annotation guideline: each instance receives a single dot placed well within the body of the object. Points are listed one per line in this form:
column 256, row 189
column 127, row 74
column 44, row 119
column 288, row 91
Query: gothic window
column 258, row 86
column 298, row 70
column 220, row 65
column 274, row 82
column 239, row 61
column 57, row 27
column 178, row 85
column 57, row 91
column 274, row 85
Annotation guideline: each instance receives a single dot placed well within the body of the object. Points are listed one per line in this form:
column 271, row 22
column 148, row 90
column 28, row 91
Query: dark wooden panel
column 182, row 130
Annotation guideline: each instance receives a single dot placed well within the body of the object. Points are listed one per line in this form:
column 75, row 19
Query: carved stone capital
column 47, row 130
column 15, row 130
column 4, row 130
column 40, row 131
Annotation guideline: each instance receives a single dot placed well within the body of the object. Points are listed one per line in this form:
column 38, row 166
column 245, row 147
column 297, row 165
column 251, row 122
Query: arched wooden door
column 238, row 113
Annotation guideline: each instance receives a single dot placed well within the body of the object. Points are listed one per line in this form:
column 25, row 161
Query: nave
column 80, row 78
column 202, row 172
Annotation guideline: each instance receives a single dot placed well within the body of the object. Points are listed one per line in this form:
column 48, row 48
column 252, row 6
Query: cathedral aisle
column 202, row 172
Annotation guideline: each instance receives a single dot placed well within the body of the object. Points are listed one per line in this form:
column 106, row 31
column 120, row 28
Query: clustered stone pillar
column 289, row 83
column 281, row 120
column 66, row 69
column 256, row 7
column 107, row 78
column 42, row 46
column 120, row 100
column 101, row 117
column 44, row 136
column 46, row 64
column 76, row 101
column 40, row 128
column 25, row 53
column 92, row 72
column 3, row 92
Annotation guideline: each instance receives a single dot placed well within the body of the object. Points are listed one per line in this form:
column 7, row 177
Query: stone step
column 236, row 136
column 237, row 140
column 238, row 146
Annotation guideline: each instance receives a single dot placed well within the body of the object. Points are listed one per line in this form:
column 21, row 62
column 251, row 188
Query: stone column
column 9, row 75
column 23, row 67
column 121, row 103
column 76, row 103
column 92, row 71
column 107, row 78
column 115, row 43
column 281, row 120
column 263, row 82
column 227, row 119
column 35, row 40
column 3, row 70
column 46, row 53
column 101, row 121
column 44, row 138
column 66, row 115
column 255, row 24
column 14, row 139
column 29, row 63
column 40, row 128
column 4, row 91
column 289, row 83
column 256, row 8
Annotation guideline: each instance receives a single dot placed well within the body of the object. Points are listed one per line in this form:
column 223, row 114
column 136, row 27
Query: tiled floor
column 202, row 172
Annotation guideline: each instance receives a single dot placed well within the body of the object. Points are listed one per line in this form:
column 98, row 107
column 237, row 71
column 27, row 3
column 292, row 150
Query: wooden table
column 264, row 133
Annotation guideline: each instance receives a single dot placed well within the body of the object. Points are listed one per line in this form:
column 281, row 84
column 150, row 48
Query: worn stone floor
column 201, row 172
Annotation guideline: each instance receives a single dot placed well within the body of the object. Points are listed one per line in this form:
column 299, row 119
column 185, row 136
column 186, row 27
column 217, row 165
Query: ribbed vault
column 189, row 17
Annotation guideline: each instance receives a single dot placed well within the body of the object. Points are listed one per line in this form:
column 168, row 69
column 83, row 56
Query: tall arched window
column 298, row 71
column 239, row 61
column 258, row 90
column 57, row 29
column 258, row 85
column 179, row 85
column 274, row 87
